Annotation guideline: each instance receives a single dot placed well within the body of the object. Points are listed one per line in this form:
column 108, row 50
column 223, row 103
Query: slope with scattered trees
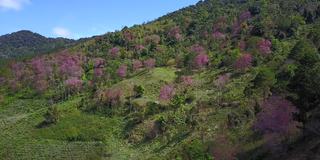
column 224, row 80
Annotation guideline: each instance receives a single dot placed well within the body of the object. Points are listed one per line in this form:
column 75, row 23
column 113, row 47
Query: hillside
column 25, row 43
column 219, row 80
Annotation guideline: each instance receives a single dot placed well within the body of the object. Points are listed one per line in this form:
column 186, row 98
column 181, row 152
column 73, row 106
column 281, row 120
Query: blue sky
column 81, row 18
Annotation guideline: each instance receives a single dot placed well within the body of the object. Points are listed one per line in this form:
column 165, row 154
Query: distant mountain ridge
column 26, row 43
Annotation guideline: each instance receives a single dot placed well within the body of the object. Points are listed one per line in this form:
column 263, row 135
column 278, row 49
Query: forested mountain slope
column 26, row 43
column 223, row 80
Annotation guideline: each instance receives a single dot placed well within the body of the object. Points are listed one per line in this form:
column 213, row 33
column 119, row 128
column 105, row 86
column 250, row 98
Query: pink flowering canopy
column 128, row 36
column 166, row 92
column 99, row 62
column 149, row 63
column 236, row 28
column 198, row 49
column 70, row 65
column 73, row 83
column 136, row 65
column 244, row 62
column 264, row 46
column 201, row 60
column 242, row 45
column 2, row 80
column 139, row 47
column 187, row 80
column 98, row 72
column 113, row 95
column 18, row 70
column 245, row 16
column 218, row 35
column 122, row 71
column 114, row 52
column 276, row 116
column 175, row 33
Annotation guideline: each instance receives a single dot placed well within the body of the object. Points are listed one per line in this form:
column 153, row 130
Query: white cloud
column 13, row 4
column 61, row 32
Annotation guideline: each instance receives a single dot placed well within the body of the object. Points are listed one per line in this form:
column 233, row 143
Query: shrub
column 178, row 101
column 52, row 116
column 138, row 91
column 195, row 150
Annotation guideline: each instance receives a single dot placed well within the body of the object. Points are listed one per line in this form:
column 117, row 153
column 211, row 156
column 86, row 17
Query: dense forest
column 26, row 43
column 219, row 80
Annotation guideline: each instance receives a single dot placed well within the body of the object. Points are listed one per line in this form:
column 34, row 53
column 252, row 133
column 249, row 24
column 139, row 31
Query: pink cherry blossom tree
column 201, row 60
column 175, row 33
column 128, row 36
column 70, row 66
column 243, row 62
column 218, row 35
column 242, row 45
column 264, row 47
column 187, row 80
column 122, row 71
column 114, row 52
column 167, row 92
column 198, row 49
column 149, row 63
column 245, row 16
column 276, row 116
column 73, row 84
column 111, row 97
column 139, row 48
column 136, row 65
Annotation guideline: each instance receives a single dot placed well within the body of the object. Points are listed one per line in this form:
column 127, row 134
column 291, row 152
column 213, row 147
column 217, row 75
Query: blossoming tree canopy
column 122, row 71
column 166, row 92
column 243, row 62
